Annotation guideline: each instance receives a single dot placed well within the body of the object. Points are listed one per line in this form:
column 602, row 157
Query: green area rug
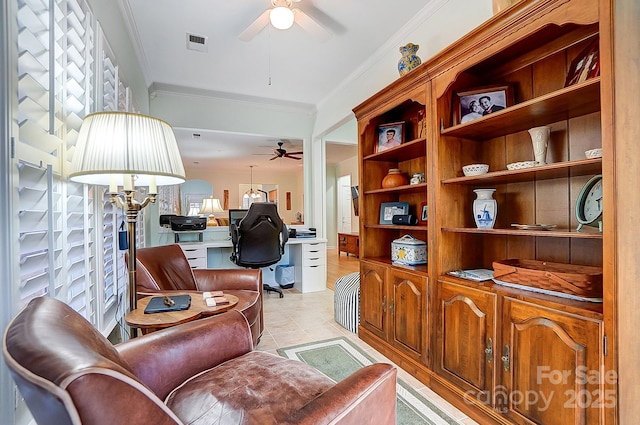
column 338, row 358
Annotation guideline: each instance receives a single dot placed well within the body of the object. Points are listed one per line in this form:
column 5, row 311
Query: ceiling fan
column 282, row 153
column 282, row 16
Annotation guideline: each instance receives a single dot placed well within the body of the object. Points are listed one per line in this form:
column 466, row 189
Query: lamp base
column 211, row 222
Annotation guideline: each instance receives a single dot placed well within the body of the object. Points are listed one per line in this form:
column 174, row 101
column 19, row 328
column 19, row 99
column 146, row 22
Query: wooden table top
column 138, row 319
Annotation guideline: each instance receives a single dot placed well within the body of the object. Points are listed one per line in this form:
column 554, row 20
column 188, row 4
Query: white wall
column 441, row 23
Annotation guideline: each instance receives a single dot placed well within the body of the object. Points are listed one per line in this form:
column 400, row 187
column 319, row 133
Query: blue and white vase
column 409, row 60
column 485, row 208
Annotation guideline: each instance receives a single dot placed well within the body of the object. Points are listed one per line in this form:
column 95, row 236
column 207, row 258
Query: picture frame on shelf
column 389, row 209
column 586, row 65
column 390, row 135
column 472, row 104
column 424, row 214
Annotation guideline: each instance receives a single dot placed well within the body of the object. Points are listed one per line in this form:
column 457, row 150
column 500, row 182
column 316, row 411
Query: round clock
column 589, row 204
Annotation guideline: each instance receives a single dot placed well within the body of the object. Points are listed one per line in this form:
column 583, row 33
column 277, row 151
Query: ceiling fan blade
column 256, row 26
column 292, row 157
column 295, row 153
column 310, row 25
column 274, row 157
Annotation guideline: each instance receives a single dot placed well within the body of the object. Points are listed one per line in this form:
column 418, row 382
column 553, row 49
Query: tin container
column 409, row 251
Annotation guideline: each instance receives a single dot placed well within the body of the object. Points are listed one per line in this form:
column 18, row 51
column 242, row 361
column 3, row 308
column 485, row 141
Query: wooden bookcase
column 482, row 346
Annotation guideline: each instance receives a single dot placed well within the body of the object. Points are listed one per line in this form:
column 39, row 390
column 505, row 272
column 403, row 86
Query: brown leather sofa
column 202, row 372
column 166, row 268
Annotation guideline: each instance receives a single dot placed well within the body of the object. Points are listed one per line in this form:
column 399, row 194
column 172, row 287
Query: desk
column 308, row 256
column 151, row 322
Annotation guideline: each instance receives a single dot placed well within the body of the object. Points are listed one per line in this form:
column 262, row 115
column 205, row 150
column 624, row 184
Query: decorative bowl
column 475, row 169
column 593, row 153
column 521, row 165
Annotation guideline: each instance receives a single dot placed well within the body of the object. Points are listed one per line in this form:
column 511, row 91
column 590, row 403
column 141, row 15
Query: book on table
column 168, row 303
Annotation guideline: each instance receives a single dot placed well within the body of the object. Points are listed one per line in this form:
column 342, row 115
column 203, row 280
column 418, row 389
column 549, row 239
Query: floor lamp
column 126, row 149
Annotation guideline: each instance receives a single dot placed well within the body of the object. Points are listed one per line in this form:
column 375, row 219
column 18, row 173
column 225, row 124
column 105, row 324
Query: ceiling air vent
column 196, row 42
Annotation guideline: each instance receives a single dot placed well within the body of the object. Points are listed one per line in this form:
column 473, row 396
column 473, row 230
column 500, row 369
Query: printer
column 181, row 223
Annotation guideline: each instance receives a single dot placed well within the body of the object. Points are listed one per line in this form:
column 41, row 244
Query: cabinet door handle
column 505, row 359
column 391, row 305
column 384, row 304
column 489, row 350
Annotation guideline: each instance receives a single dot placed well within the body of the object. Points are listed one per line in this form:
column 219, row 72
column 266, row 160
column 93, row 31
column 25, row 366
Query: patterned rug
column 338, row 358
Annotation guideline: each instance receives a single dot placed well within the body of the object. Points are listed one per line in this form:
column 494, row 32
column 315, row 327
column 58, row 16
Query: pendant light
column 250, row 196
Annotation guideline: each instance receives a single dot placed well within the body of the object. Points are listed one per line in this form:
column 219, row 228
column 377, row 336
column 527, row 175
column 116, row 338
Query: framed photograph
column 389, row 209
column 471, row 104
column 586, row 65
column 390, row 136
column 424, row 213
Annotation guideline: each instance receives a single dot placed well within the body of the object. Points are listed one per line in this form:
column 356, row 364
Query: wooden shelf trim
column 420, row 187
column 395, row 227
column 408, row 150
column 580, row 167
column 421, row 269
column 587, row 233
column 568, row 102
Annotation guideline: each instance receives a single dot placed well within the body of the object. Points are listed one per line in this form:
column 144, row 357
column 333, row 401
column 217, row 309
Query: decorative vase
column 395, row 178
column 409, row 60
column 485, row 208
column 540, row 141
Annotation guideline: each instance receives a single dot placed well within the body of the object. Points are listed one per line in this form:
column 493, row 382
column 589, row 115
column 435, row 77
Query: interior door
column 344, row 204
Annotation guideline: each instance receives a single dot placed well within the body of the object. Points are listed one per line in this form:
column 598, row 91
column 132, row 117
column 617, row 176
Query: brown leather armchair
column 201, row 373
column 166, row 268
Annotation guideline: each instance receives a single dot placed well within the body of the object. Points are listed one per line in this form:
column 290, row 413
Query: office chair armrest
column 164, row 359
column 226, row 279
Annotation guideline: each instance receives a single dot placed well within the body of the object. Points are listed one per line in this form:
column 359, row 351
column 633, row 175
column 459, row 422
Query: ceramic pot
column 485, row 208
column 409, row 60
column 540, row 142
column 395, row 178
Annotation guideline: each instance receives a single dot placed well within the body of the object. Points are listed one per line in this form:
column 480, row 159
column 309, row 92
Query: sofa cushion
column 275, row 388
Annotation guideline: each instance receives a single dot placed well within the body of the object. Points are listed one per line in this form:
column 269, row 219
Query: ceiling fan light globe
column 281, row 17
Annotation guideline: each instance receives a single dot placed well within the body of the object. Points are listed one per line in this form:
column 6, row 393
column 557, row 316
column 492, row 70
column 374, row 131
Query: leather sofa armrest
column 221, row 279
column 368, row 396
column 164, row 359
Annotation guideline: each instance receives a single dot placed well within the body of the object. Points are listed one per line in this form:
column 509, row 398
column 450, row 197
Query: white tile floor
column 301, row 318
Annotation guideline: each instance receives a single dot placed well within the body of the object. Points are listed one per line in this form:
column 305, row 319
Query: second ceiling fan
column 282, row 16
column 282, row 153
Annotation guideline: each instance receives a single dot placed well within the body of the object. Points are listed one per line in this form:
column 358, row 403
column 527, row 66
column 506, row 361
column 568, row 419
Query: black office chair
column 259, row 239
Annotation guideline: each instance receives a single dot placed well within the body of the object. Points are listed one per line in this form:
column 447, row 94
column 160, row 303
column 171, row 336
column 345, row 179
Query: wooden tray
column 583, row 281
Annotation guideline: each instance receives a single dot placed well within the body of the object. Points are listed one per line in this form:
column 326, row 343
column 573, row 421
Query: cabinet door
column 407, row 311
column 551, row 367
column 353, row 245
column 466, row 339
column 373, row 299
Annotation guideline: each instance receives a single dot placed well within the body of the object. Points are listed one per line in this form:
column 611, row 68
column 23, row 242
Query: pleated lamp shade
column 211, row 206
column 112, row 146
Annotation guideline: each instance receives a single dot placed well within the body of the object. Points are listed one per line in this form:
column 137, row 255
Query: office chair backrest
column 259, row 239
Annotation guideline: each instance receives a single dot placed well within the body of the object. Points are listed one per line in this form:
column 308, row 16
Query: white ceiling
column 277, row 65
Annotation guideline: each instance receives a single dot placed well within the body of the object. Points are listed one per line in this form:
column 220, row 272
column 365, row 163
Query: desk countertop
column 228, row 244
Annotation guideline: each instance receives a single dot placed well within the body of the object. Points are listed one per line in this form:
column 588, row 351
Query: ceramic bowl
column 521, row 165
column 475, row 169
column 594, row 153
